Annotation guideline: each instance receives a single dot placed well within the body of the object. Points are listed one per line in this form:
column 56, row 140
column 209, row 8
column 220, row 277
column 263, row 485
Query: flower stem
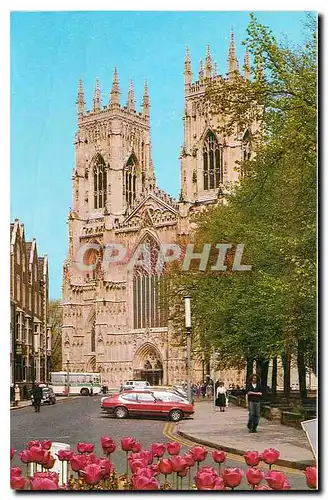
column 189, row 479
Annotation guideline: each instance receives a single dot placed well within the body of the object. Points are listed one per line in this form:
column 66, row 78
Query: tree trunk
column 259, row 362
column 301, row 371
column 274, row 378
column 264, row 372
column 286, row 359
column 249, row 369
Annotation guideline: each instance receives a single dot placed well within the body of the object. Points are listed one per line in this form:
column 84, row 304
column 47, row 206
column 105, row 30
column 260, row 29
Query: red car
column 146, row 403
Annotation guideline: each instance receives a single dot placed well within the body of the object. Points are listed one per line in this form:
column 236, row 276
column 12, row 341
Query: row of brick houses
column 30, row 347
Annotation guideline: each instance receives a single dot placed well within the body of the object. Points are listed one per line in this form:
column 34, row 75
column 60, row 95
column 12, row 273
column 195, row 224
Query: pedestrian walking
column 17, row 395
column 221, row 396
column 37, row 397
column 253, row 399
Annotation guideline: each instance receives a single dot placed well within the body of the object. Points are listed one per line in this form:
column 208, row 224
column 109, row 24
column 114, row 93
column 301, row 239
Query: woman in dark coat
column 221, row 396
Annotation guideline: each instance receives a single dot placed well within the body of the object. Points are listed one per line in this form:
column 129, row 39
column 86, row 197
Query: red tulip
column 15, row 471
column 206, row 478
column 173, row 448
column 183, row 473
column 147, row 455
column 311, row 477
column 78, row 462
column 145, row 483
column 17, row 482
column 107, row 467
column 136, row 447
column 198, row 453
column 37, row 454
column 137, row 464
column 275, row 479
column 46, row 445
column 189, row 459
column 154, row 468
column 165, row 466
column 286, row 485
column 146, row 472
column 158, row 449
column 85, row 447
column 210, row 470
column 254, row 476
column 263, row 487
column 232, row 476
column 108, row 445
column 43, row 484
column 49, row 462
column 178, row 463
column 64, row 455
column 252, row 458
column 33, row 443
column 219, row 456
column 54, row 476
column 127, row 443
column 91, row 458
column 92, row 473
column 12, row 453
column 25, row 456
column 270, row 456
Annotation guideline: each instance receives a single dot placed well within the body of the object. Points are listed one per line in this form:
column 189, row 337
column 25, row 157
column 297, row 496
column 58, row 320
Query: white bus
column 64, row 383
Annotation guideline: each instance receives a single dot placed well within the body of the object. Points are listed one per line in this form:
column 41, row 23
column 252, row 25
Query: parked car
column 177, row 389
column 129, row 385
column 147, row 403
column 48, row 396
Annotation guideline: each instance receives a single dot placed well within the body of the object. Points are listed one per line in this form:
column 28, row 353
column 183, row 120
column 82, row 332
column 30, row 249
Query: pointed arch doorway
column 147, row 365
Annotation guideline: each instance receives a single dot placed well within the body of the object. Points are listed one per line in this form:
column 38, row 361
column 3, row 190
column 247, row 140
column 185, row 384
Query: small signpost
column 310, row 427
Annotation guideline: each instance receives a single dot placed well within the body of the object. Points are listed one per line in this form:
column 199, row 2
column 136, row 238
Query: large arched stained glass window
column 130, row 178
column 212, row 162
column 149, row 297
column 99, row 183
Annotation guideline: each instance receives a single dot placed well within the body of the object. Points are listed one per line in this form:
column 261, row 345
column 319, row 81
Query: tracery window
column 149, row 298
column 93, row 338
column 130, row 178
column 212, row 162
column 99, row 183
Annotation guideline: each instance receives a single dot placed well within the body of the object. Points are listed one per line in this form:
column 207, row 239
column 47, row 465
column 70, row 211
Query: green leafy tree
column 56, row 323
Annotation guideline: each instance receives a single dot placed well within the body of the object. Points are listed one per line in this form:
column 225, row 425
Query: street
column 80, row 419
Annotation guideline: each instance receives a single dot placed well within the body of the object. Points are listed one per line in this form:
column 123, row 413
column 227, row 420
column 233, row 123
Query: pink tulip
column 25, row 456
column 92, row 473
column 33, row 443
column 263, row 487
column 49, row 462
column 198, row 453
column 158, row 449
column 46, row 445
column 146, row 472
column 107, row 467
column 91, row 458
column 232, row 476
column 219, row 456
column 107, row 445
column 183, row 473
column 275, row 479
column 136, row 464
column 254, row 476
column 311, row 477
column 136, row 447
column 173, row 448
column 270, row 456
column 145, row 483
column 147, row 456
column 78, row 462
column 178, row 463
column 37, row 454
column 64, row 455
column 127, row 443
column 85, row 447
column 189, row 459
column 252, row 458
column 15, row 471
column 54, row 476
column 43, row 484
column 165, row 466
column 17, row 482
column 206, row 478
column 12, row 453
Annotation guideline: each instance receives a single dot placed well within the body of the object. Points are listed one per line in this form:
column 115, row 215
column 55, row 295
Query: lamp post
column 67, row 369
column 188, row 331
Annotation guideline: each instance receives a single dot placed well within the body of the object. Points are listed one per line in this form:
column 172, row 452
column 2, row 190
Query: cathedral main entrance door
column 148, row 365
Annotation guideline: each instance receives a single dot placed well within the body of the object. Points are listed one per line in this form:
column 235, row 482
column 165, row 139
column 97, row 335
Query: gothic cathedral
column 113, row 321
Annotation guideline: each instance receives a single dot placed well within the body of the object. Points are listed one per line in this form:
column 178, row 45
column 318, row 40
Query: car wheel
column 175, row 415
column 121, row 412
column 84, row 392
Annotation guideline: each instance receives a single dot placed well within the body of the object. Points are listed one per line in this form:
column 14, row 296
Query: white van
column 129, row 385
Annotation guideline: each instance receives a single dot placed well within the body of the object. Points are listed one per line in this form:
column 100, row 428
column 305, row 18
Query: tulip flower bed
column 162, row 467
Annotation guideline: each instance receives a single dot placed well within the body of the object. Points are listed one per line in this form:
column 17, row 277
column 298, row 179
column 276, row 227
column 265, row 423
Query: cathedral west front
column 114, row 319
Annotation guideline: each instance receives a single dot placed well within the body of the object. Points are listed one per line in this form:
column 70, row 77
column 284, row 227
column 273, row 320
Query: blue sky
column 51, row 50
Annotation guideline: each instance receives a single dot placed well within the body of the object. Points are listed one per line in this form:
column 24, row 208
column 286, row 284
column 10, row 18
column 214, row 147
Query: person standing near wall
column 17, row 395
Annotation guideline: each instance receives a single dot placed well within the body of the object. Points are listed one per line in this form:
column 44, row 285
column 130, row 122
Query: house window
column 100, row 183
column 130, row 177
column 212, row 162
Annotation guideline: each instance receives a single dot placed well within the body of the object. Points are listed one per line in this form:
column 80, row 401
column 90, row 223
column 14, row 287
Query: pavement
column 228, row 431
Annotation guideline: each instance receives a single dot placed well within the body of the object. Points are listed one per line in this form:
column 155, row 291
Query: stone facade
column 30, row 346
column 111, row 318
